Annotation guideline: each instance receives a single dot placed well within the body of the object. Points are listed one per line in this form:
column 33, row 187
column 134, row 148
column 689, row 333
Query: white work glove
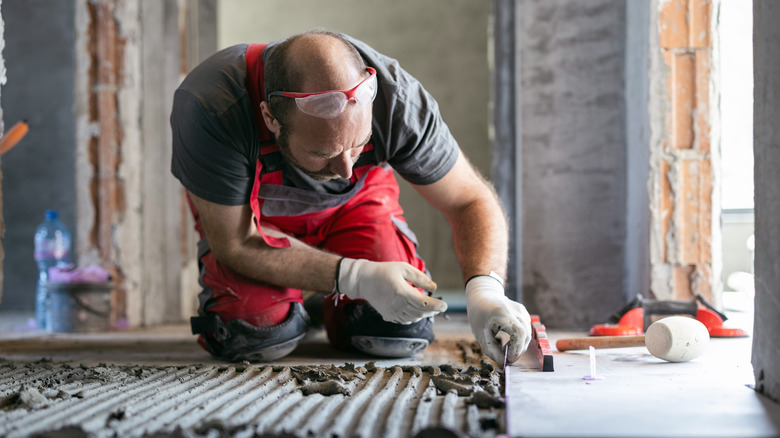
column 490, row 312
column 385, row 285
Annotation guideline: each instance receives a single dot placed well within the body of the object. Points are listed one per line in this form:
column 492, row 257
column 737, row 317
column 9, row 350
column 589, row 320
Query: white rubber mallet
column 674, row 339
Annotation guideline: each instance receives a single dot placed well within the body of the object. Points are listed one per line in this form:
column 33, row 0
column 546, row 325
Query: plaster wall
column 38, row 174
column 443, row 43
column 162, row 193
column 2, row 131
column 573, row 159
column 766, row 146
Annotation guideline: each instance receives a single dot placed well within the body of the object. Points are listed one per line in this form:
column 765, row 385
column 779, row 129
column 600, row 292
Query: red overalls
column 366, row 222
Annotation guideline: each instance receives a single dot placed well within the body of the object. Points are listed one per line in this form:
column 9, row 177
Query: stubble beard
column 284, row 148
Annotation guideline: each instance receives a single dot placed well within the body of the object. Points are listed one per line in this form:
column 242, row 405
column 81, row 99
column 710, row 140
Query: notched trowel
column 503, row 339
column 539, row 345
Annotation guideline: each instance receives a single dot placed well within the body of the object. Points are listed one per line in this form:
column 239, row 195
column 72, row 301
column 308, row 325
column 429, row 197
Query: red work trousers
column 370, row 226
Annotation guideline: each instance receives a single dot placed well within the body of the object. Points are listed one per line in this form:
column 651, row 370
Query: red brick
column 666, row 207
column 702, row 100
column 705, row 212
column 673, row 24
column 682, row 93
column 683, row 277
column 699, row 12
column 667, row 136
column 689, row 204
column 702, row 281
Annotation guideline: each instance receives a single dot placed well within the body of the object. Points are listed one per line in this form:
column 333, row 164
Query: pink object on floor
column 69, row 274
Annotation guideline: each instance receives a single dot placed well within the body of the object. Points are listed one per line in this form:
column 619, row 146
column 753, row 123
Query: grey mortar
column 44, row 397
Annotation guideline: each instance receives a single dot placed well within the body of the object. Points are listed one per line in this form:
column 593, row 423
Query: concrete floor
column 639, row 395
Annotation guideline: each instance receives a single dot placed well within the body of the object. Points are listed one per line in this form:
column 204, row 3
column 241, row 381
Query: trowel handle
column 599, row 342
column 503, row 338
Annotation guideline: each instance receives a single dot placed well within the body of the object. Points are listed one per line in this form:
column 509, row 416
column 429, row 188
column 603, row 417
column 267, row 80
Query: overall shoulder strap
column 255, row 87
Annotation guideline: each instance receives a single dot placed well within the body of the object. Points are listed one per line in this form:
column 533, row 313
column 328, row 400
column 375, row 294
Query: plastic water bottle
column 52, row 248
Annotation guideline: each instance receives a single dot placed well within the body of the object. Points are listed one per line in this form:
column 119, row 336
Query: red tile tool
column 630, row 324
column 634, row 319
column 540, row 345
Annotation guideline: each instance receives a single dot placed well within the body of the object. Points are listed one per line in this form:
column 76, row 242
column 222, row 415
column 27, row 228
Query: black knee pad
column 238, row 340
column 370, row 333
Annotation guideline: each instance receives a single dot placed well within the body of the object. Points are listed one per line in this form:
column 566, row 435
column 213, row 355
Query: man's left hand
column 489, row 312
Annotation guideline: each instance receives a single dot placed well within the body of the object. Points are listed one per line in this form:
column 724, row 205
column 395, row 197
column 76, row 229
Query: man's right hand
column 385, row 285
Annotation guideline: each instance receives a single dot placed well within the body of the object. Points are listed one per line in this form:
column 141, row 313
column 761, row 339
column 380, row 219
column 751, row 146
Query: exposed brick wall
column 103, row 48
column 128, row 65
column 684, row 197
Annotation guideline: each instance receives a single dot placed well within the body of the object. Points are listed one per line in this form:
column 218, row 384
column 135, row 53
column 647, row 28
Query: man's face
column 326, row 149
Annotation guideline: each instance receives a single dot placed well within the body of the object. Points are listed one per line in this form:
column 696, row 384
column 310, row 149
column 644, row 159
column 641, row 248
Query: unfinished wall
column 685, row 230
column 96, row 87
column 766, row 146
column 162, row 196
column 129, row 63
column 573, row 159
column 38, row 174
column 443, row 43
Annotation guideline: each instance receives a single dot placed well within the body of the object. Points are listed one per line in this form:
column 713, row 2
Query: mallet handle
column 599, row 342
column 16, row 133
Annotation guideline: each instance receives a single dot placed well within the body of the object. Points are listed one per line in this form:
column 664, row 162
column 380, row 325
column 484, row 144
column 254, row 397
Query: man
column 292, row 189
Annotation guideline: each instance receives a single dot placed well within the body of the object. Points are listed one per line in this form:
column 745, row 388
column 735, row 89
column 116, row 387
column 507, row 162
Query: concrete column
column 637, row 74
column 766, row 147
column 574, row 159
column 505, row 101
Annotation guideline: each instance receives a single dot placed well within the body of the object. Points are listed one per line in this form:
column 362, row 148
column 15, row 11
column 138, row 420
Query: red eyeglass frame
column 349, row 93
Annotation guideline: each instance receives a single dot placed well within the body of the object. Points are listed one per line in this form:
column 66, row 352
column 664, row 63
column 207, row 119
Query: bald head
column 307, row 63
column 325, row 62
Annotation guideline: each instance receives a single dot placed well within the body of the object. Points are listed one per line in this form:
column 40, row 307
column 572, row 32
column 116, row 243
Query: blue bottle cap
column 52, row 215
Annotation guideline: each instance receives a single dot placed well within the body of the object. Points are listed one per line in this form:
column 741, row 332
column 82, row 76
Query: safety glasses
column 330, row 104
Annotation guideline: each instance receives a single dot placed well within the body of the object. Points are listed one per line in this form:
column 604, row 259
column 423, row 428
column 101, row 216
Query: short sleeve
column 205, row 157
column 214, row 133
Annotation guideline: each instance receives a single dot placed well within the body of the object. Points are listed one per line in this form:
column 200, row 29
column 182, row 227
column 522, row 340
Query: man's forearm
column 236, row 243
column 298, row 266
column 480, row 237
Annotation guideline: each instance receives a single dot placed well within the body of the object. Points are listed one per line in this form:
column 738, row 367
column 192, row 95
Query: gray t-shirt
column 216, row 142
